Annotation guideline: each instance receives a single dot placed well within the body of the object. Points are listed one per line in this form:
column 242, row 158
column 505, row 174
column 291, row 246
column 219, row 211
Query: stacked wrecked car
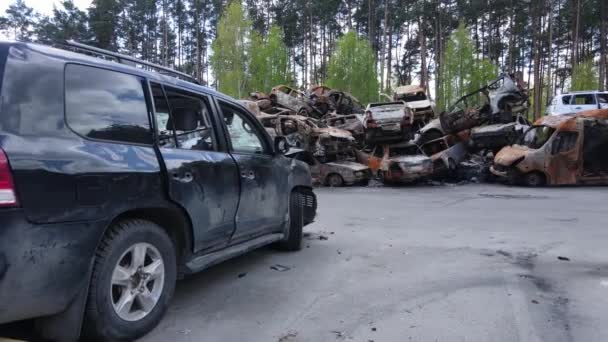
column 399, row 141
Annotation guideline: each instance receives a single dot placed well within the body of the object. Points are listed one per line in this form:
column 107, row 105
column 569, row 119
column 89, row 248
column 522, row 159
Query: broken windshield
column 537, row 136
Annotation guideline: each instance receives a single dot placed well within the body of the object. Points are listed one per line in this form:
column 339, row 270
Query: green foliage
column 584, row 77
column 66, row 23
column 19, row 20
column 103, row 21
column 462, row 71
column 230, row 60
column 352, row 68
column 269, row 63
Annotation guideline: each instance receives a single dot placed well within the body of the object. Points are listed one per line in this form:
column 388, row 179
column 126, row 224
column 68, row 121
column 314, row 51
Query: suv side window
column 584, row 99
column 244, row 136
column 183, row 119
column 566, row 99
column 106, row 105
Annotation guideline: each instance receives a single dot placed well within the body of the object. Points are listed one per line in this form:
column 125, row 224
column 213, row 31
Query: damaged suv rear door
column 201, row 176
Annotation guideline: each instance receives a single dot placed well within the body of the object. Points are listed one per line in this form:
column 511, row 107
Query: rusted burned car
column 262, row 99
column 298, row 101
column 399, row 163
column 326, row 100
column 446, row 153
column 387, row 122
column 494, row 137
column 430, row 131
column 338, row 173
column 352, row 123
column 345, row 103
column 416, row 99
column 501, row 101
column 559, row 150
column 325, row 142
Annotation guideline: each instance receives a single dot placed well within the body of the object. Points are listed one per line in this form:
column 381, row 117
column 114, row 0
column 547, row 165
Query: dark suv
column 115, row 181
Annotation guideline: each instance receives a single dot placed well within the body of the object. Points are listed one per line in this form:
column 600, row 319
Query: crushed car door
column 262, row 207
column 563, row 161
column 202, row 178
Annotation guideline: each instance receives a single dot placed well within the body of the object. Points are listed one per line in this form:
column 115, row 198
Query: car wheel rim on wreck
column 137, row 282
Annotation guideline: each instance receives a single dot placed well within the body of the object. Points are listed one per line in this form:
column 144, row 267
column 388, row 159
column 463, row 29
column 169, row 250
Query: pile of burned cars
column 302, row 118
column 399, row 141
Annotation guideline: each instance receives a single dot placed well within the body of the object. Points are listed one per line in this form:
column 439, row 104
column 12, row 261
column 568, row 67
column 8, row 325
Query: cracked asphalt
column 419, row 263
column 442, row 263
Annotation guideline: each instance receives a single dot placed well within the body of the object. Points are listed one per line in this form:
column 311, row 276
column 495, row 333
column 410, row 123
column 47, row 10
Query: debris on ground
column 242, row 275
column 323, row 237
column 534, row 301
column 563, row 258
column 280, row 268
column 290, row 337
column 339, row 333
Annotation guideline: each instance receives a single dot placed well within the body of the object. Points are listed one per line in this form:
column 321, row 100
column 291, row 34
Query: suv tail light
column 369, row 120
column 8, row 197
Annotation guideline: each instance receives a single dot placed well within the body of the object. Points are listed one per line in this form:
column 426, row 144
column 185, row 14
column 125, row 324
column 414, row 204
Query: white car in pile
column 578, row 101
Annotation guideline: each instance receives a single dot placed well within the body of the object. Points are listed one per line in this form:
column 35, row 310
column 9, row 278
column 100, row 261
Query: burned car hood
column 353, row 166
column 419, row 104
column 336, row 133
column 410, row 159
column 508, row 155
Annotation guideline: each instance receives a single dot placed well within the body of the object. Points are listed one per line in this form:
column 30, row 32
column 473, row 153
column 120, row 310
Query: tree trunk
column 576, row 5
column 389, row 63
column 424, row 81
column 384, row 44
column 537, row 60
column 550, row 51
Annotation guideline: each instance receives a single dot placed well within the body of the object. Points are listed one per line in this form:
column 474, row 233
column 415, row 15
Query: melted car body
column 559, row 150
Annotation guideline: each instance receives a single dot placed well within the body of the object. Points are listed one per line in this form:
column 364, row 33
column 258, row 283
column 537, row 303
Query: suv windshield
column 419, row 96
column 537, row 136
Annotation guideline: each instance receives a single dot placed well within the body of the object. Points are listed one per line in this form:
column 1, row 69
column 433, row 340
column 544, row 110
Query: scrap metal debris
column 563, row 258
column 280, row 268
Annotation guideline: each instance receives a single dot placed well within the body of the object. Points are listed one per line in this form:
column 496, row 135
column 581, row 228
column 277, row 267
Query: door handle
column 578, row 108
column 186, row 178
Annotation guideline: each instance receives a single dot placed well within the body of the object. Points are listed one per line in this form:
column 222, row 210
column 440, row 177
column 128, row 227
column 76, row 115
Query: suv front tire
column 133, row 281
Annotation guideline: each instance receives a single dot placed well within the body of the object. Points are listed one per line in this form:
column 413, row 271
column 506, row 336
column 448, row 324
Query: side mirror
column 281, row 146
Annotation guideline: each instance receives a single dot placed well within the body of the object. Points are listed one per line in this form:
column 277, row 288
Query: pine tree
column 103, row 21
column 584, row 77
column 352, row 68
column 462, row 70
column 269, row 62
column 230, row 60
column 19, row 20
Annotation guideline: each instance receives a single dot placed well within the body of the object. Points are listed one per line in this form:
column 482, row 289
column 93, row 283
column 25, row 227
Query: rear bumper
column 42, row 267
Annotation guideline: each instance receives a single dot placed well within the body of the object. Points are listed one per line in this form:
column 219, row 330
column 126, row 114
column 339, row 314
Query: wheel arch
column 173, row 219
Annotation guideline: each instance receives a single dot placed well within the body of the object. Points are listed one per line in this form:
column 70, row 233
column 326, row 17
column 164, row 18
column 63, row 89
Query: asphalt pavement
column 422, row 263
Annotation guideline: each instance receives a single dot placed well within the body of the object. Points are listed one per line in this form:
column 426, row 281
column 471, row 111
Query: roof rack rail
column 128, row 60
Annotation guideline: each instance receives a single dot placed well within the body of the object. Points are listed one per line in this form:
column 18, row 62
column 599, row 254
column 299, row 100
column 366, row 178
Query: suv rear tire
column 293, row 242
column 135, row 264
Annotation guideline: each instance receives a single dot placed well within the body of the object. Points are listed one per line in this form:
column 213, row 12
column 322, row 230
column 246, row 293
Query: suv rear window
column 106, row 105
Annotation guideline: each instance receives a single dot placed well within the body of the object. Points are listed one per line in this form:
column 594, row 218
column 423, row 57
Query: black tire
column 335, row 180
column 293, row 241
column 101, row 321
column 534, row 179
